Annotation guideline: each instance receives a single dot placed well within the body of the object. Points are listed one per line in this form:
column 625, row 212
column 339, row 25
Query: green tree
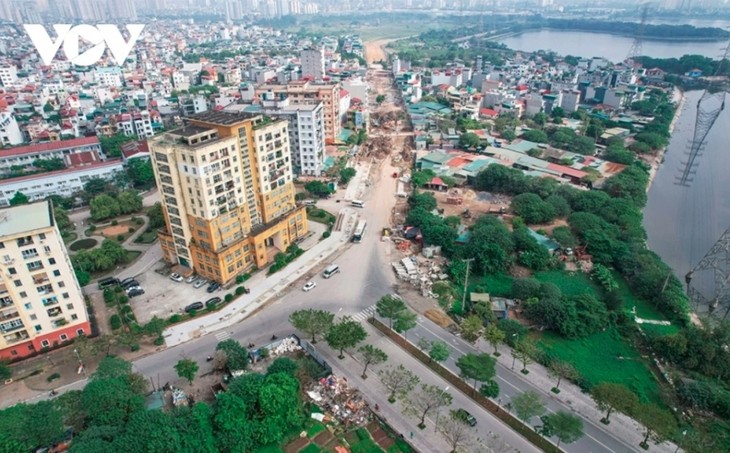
column 525, row 351
column 283, row 365
column 25, row 427
column 494, row 336
column 19, row 198
column 345, row 334
column 236, row 355
column 479, row 367
column 233, row 431
column 565, row 426
column 455, row 430
column 312, row 322
column 390, row 307
column 399, row 381
column 53, row 164
column 513, row 331
column 5, row 370
column 419, row 178
column 423, row 200
column 559, row 369
column 346, row 175
column 532, row 209
column 62, row 221
column 535, row 135
column 430, row 397
column 609, row 397
column 187, row 368
column 469, row 140
column 371, row 356
column 156, row 216
column 439, row 351
column 103, row 207
column 471, row 328
column 110, row 401
column 111, row 146
column 96, row 186
column 527, row 405
column 317, row 188
column 564, row 237
column 140, row 173
column 154, row 429
column 129, row 201
column 405, row 321
column 659, row 424
column 380, row 98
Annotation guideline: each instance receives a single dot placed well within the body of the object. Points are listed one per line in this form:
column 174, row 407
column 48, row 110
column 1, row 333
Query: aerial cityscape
column 364, row 226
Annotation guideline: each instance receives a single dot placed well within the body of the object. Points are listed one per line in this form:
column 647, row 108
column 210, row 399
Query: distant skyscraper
column 121, row 9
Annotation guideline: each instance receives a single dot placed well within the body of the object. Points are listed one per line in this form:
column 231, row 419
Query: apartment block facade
column 41, row 304
column 228, row 193
column 305, row 92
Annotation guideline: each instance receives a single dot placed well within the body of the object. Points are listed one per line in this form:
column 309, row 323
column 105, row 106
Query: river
column 683, row 223
column 613, row 47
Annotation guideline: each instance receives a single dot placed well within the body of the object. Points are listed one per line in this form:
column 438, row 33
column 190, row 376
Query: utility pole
column 466, row 282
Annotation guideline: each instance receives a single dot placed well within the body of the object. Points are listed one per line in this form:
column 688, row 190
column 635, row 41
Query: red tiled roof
column 567, row 170
column 81, row 159
column 50, row 146
column 343, row 93
column 130, row 149
column 458, row 162
column 488, row 112
column 436, row 181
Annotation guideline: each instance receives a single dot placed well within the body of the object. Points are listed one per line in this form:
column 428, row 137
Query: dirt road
column 375, row 50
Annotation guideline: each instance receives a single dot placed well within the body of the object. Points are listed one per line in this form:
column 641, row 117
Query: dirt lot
column 375, row 50
column 478, row 203
column 114, row 230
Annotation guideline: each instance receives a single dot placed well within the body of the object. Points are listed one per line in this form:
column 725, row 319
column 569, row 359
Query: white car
column 309, row 286
column 176, row 277
column 191, row 279
column 200, row 282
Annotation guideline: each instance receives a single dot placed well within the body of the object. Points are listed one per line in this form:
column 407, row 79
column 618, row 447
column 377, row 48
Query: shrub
column 123, row 299
column 325, row 235
column 228, row 297
column 92, row 227
column 174, row 318
column 118, row 289
column 109, row 296
column 240, row 290
column 159, row 341
column 126, row 309
column 114, row 222
column 134, row 347
column 120, row 237
column 53, row 377
column 240, row 279
column 115, row 321
column 130, row 229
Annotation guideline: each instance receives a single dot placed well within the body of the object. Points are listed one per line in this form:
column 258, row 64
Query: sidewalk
column 263, row 288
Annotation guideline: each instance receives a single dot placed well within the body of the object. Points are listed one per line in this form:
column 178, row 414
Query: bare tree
column 455, row 431
column 428, row 398
column 399, row 381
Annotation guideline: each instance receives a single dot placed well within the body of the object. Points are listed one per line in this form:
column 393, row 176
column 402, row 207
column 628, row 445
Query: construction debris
column 341, row 403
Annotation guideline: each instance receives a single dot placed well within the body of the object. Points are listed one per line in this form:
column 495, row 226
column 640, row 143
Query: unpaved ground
column 478, row 203
column 375, row 50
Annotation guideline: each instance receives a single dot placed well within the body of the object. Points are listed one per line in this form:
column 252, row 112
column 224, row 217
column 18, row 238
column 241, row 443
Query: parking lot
column 164, row 297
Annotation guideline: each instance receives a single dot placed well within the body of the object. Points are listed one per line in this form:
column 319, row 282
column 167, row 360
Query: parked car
column 135, row 292
column 213, row 302
column 466, row 417
column 309, row 286
column 195, row 306
column 213, row 286
column 107, row 282
column 130, row 284
column 133, row 288
column 200, row 282
column 176, row 277
column 124, row 282
column 191, row 279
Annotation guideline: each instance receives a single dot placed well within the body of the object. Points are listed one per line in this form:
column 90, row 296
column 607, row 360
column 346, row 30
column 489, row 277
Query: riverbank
column 678, row 98
column 625, row 35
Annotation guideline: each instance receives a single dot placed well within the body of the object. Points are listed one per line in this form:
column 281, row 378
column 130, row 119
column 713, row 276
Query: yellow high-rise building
column 227, row 192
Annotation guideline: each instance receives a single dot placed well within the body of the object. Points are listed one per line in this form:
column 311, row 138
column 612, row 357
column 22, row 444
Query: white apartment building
column 41, row 304
column 138, row 123
column 8, row 75
column 111, row 77
column 313, row 63
column 306, row 134
column 10, row 134
column 62, row 182
column 25, row 155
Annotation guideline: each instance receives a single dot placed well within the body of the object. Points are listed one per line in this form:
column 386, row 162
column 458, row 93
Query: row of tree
column 107, row 206
column 104, row 258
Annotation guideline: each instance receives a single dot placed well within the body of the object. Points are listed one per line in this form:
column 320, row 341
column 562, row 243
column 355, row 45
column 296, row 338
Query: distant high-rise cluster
column 33, row 11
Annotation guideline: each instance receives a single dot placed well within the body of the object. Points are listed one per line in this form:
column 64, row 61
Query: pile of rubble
column 422, row 270
column 340, row 402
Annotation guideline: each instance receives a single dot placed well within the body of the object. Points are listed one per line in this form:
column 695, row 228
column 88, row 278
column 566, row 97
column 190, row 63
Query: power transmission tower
column 709, row 108
column 466, row 282
column 636, row 46
column 716, row 260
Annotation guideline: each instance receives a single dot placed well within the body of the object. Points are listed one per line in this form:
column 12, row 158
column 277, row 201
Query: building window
column 52, row 261
column 63, row 337
column 12, row 271
column 42, row 236
column 80, row 332
column 23, row 294
column 61, row 285
column 13, row 352
column 70, row 306
column 33, row 317
column 45, row 343
column 74, row 317
column 56, row 273
column 65, row 295
column 18, row 283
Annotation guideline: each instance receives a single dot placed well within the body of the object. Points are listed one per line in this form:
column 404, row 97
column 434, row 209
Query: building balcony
column 17, row 337
column 6, row 329
column 8, row 315
column 30, row 255
column 50, row 302
column 40, row 278
column 59, row 323
column 54, row 312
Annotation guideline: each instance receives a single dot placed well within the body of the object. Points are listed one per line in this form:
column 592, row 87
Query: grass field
column 132, row 255
column 320, row 215
column 499, row 285
column 148, row 237
column 570, row 283
column 605, row 357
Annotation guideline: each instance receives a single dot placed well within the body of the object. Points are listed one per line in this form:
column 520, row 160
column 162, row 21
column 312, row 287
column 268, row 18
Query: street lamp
column 684, row 433
column 81, row 364
column 438, row 408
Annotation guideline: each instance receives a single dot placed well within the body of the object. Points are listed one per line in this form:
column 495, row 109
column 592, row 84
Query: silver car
column 200, row 282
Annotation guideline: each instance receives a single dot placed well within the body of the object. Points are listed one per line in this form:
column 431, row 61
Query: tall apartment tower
column 313, row 63
column 228, row 193
column 41, row 304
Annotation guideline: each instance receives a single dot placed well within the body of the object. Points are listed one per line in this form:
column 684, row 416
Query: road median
column 512, row 421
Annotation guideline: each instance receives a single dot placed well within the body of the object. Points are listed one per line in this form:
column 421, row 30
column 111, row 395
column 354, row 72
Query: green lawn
column 132, row 255
column 148, row 237
column 70, row 237
column 570, row 283
column 605, row 357
column 315, row 429
column 320, row 215
column 499, row 285
column 654, row 330
column 311, row 448
column 270, row 449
